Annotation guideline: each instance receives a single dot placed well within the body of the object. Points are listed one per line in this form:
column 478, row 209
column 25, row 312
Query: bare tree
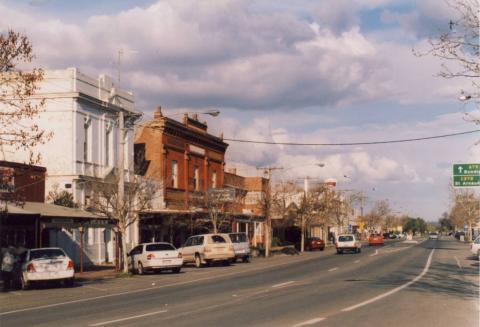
column 61, row 197
column 216, row 201
column 310, row 211
column 465, row 209
column 138, row 196
column 377, row 216
column 18, row 129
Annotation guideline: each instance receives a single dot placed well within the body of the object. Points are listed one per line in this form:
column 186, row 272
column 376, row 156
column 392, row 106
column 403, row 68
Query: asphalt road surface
column 429, row 283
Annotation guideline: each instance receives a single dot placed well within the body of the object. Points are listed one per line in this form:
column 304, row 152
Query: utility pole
column 268, row 200
column 121, row 180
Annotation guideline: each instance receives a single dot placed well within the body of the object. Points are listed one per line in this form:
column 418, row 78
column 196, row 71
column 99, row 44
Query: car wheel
column 198, row 261
column 359, row 250
column 176, row 270
column 226, row 263
column 24, row 284
column 140, row 269
column 339, row 251
column 246, row 259
column 321, row 249
column 70, row 282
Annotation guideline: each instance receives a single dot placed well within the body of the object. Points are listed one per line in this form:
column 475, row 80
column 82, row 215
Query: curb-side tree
column 18, row 130
column 108, row 201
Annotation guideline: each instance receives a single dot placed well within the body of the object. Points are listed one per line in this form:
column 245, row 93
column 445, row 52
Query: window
column 85, row 142
column 174, row 174
column 218, row 239
column 214, row 179
column 345, row 238
column 46, row 254
column 159, row 247
column 196, row 178
column 189, row 242
column 107, row 147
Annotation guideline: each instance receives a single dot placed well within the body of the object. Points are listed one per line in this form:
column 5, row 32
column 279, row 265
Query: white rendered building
column 83, row 114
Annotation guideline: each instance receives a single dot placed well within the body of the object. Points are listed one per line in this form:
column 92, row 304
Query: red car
column 314, row 243
column 376, row 239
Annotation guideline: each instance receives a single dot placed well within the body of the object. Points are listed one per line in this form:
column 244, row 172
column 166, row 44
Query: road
column 430, row 283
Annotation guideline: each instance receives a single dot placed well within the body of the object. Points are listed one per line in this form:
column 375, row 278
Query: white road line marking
column 95, row 288
column 209, row 277
column 14, row 293
column 458, row 263
column 283, row 284
column 356, row 261
column 127, row 318
column 395, row 290
column 373, row 254
column 309, row 322
column 333, row 269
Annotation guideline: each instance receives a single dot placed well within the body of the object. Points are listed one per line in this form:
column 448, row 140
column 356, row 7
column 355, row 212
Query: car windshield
column 46, row 254
column 160, row 247
column 346, row 238
column 238, row 238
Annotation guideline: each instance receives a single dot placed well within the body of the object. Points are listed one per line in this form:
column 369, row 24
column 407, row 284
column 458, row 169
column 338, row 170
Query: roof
column 51, row 210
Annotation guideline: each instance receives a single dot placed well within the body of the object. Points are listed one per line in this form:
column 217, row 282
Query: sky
column 307, row 71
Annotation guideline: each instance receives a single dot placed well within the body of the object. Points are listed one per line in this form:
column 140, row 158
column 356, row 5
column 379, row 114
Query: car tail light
column 70, row 264
column 30, row 267
column 150, row 256
column 179, row 255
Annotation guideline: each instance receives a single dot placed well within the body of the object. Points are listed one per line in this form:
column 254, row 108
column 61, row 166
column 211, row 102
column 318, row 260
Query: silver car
column 241, row 246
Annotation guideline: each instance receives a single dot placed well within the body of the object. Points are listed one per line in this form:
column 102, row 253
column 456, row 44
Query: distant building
column 82, row 112
column 188, row 162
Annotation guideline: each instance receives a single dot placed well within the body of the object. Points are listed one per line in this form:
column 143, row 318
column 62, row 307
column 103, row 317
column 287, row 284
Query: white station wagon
column 348, row 242
column 154, row 257
column 46, row 264
column 207, row 248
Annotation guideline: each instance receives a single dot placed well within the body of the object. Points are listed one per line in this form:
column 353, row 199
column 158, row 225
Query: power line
column 353, row 143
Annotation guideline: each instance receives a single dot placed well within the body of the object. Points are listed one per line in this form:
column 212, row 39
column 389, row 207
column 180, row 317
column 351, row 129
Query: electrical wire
column 353, row 143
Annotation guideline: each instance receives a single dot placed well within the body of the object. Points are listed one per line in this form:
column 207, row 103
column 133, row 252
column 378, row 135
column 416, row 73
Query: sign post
column 466, row 175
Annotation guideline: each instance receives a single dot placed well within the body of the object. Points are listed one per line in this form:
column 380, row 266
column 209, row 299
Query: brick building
column 187, row 161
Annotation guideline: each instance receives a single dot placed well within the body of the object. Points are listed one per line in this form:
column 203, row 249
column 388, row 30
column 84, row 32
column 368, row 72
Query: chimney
column 195, row 117
column 158, row 113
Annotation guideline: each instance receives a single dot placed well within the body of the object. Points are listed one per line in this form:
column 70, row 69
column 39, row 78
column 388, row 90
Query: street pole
column 121, row 179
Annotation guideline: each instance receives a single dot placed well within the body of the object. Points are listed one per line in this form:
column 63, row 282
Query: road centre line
column 283, row 284
column 356, row 261
column 210, row 277
column 309, row 322
column 333, row 269
column 395, row 290
column 373, row 254
column 127, row 318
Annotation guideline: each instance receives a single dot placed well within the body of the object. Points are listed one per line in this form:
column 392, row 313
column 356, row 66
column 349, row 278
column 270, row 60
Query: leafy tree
column 415, row 225
column 465, row 209
column 61, row 197
column 18, row 129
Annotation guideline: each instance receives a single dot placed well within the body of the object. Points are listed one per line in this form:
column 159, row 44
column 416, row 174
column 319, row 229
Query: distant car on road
column 433, row 236
column 314, row 243
column 348, row 242
column 45, row 264
column 459, row 234
column 207, row 248
column 376, row 239
column 154, row 257
column 476, row 247
column 241, row 246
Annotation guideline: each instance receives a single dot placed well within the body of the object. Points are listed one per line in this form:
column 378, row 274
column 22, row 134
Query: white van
column 241, row 246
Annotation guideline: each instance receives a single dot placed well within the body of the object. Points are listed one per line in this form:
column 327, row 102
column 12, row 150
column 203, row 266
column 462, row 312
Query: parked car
column 433, row 236
column 44, row 264
column 154, row 257
column 458, row 234
column 241, row 246
column 376, row 239
column 476, row 247
column 348, row 242
column 208, row 248
column 314, row 243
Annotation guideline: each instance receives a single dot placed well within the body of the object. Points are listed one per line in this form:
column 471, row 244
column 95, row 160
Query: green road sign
column 466, row 170
column 466, row 175
column 466, row 181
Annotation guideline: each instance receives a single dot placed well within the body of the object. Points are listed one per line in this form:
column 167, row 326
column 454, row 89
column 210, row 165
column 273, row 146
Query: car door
column 187, row 250
column 134, row 257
